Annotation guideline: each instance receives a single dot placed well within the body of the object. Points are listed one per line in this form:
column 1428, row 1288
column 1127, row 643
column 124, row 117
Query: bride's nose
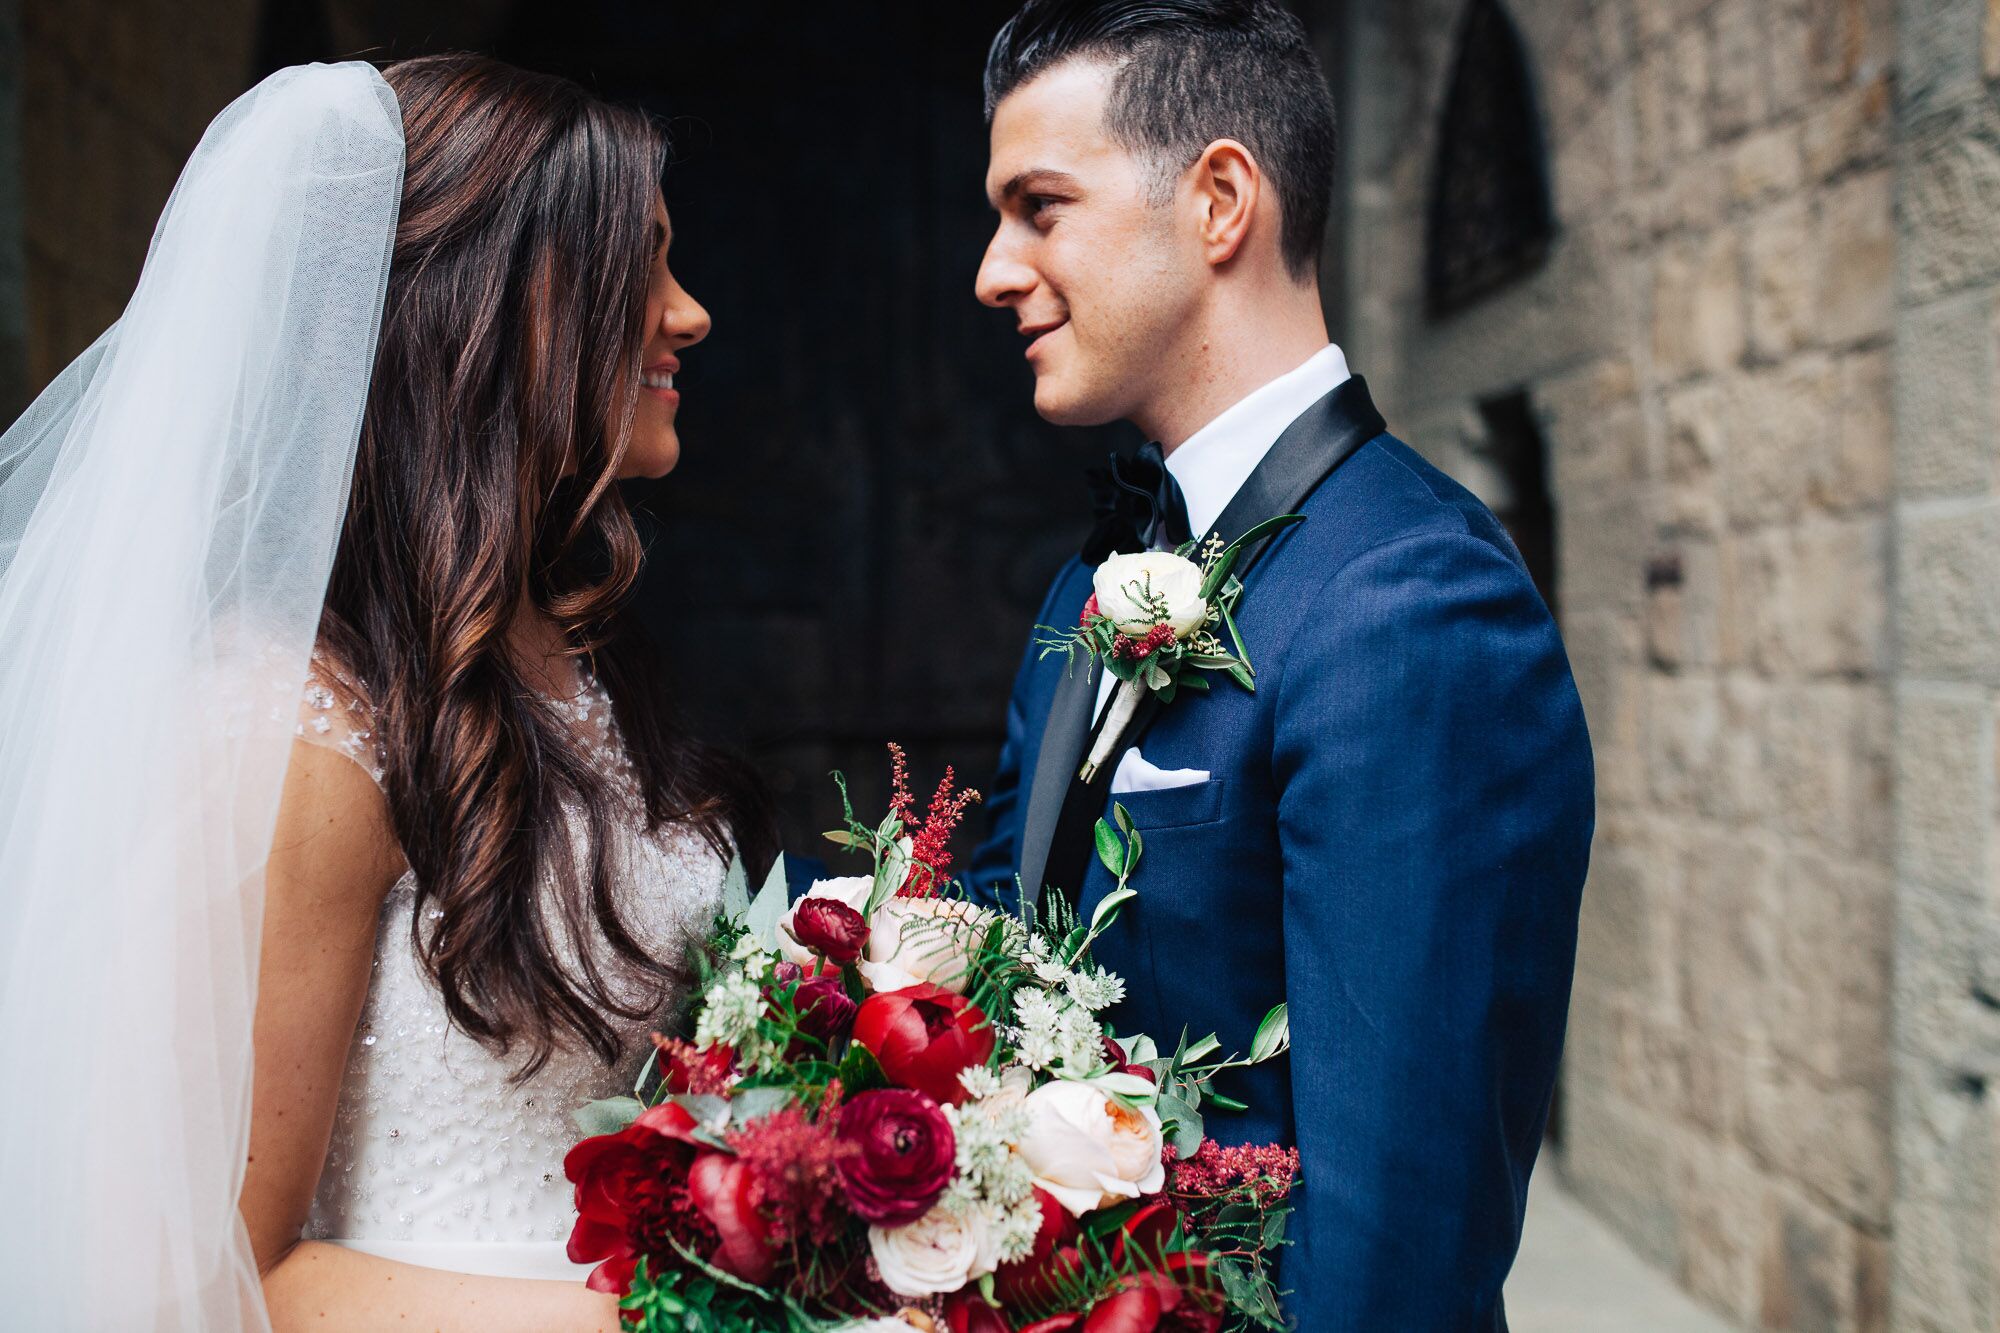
column 685, row 320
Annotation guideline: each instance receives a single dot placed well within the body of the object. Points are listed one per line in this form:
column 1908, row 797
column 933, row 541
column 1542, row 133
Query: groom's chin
column 1061, row 407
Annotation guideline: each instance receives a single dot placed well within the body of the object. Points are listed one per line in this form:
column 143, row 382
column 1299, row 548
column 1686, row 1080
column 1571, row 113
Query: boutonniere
column 1157, row 620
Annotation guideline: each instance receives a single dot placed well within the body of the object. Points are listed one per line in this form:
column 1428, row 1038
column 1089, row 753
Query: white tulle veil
column 169, row 510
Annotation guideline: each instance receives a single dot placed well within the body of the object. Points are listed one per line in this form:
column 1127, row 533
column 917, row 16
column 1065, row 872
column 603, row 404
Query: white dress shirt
column 1212, row 464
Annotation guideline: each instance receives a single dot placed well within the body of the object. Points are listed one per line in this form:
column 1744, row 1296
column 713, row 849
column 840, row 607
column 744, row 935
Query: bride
column 345, row 847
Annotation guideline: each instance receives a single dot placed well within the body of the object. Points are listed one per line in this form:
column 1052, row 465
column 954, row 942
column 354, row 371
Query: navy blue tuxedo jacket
column 1393, row 841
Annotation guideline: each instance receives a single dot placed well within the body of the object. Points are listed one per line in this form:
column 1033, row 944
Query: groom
column 1390, row 833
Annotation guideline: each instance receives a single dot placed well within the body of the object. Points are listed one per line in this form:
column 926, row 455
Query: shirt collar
column 1214, row 462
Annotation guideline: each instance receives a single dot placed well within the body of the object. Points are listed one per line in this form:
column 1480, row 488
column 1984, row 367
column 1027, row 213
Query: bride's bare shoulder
column 334, row 826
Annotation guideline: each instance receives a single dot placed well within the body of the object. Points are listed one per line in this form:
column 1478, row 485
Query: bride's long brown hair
column 503, row 396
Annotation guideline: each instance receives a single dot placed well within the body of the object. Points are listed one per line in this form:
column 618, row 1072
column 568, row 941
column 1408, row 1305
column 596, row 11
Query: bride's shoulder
column 335, row 713
column 334, row 826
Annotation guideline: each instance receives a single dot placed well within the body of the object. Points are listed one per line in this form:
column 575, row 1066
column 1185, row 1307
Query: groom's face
column 1090, row 264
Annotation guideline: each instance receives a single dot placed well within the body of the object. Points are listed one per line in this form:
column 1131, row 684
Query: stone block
column 1944, row 396
column 1740, row 88
column 1948, row 611
column 1616, row 949
column 1784, row 271
column 1847, row 129
column 1684, row 619
column 1854, row 463
column 1595, row 432
column 1941, row 43
column 1697, row 308
column 1827, row 760
column 1729, row 934
column 1837, row 623
column 1765, row 165
column 1857, row 259
column 1833, row 1139
column 1695, row 440
column 1602, row 554
column 1838, row 931
column 1950, row 194
column 1683, row 720
column 1778, row 419
column 1722, row 1205
column 1944, row 787
column 1819, row 1273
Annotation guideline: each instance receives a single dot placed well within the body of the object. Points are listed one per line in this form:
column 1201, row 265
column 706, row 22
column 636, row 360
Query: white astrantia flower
column 1095, row 990
column 978, row 1081
column 730, row 1014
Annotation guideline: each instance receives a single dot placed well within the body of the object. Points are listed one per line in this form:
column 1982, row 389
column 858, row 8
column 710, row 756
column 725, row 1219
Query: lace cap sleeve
column 334, row 713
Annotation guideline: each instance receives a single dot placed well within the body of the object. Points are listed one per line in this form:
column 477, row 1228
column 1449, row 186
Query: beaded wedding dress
column 438, row 1158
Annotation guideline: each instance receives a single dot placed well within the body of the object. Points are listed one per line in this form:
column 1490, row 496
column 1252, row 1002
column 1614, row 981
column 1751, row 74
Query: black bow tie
column 1136, row 501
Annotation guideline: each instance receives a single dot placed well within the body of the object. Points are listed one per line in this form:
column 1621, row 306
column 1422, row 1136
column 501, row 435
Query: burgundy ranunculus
column 824, row 1011
column 923, row 1036
column 902, row 1158
column 627, row 1187
column 830, row 928
column 722, row 1187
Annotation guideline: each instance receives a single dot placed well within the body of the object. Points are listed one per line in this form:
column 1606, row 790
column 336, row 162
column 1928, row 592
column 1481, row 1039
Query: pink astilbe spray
column 1215, row 1173
column 794, row 1163
column 930, row 841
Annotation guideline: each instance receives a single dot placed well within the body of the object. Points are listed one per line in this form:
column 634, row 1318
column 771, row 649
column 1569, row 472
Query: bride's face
column 674, row 321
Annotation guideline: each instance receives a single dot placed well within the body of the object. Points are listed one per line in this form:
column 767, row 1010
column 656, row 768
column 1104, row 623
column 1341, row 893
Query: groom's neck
column 1244, row 341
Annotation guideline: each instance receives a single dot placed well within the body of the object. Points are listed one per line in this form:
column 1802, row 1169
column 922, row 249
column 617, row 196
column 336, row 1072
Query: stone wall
column 1708, row 350
column 1947, row 633
column 113, row 98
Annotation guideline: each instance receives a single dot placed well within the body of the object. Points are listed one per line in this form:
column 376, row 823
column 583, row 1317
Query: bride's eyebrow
column 660, row 238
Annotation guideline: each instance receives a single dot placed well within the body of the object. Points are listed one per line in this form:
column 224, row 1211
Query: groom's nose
column 1002, row 279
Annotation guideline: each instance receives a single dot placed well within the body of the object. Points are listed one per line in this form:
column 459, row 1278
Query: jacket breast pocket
column 1174, row 807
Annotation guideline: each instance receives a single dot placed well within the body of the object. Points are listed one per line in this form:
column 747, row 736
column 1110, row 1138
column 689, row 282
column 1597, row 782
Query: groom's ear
column 1228, row 194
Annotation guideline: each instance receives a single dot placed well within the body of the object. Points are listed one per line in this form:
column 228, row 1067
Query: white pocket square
column 1136, row 774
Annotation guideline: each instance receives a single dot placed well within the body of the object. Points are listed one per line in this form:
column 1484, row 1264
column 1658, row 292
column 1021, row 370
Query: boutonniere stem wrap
column 1158, row 621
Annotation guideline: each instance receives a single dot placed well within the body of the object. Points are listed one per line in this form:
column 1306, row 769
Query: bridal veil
column 169, row 510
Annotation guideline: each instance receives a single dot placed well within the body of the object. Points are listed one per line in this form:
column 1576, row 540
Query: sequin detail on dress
column 431, row 1142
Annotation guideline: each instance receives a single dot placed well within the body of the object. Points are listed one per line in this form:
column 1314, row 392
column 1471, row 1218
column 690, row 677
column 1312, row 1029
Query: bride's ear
column 1228, row 192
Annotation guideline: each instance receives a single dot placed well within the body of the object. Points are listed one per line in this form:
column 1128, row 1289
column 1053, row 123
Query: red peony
column 966, row 1312
column 632, row 1196
column 923, row 1036
column 724, row 1188
column 830, row 928
column 901, row 1155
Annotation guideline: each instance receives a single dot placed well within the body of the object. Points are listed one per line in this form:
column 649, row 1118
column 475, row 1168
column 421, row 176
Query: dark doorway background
column 867, row 510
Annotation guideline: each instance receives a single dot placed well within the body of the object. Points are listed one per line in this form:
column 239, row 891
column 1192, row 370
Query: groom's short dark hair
column 1191, row 72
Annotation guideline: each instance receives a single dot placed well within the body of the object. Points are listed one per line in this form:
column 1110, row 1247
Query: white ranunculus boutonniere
column 1158, row 620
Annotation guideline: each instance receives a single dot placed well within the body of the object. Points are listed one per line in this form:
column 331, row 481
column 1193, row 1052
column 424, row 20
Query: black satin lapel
column 1305, row 454
column 1063, row 738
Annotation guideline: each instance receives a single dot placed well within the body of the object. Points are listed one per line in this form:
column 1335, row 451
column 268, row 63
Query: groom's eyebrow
column 1033, row 181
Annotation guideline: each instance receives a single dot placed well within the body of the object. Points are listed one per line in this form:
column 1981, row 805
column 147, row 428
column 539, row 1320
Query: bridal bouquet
column 901, row 1110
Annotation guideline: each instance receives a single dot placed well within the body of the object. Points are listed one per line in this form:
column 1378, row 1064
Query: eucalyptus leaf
column 1106, row 911
column 1122, row 816
column 1110, row 847
column 607, row 1115
column 1274, row 1034
column 769, row 906
column 736, row 889
column 756, row 1103
column 1127, row 1085
column 1201, row 1050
